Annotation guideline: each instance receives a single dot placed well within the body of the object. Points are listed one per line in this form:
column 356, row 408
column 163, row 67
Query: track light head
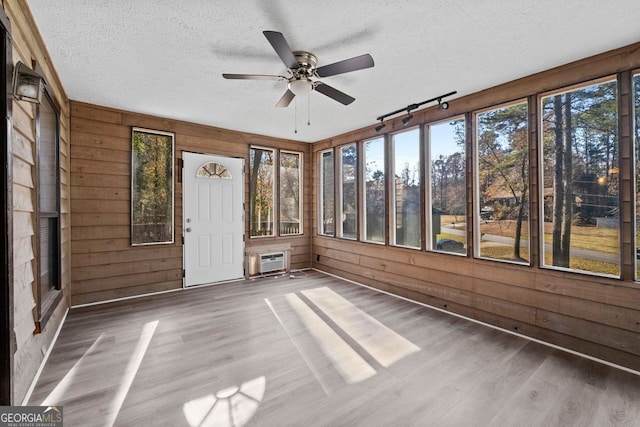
column 442, row 105
column 407, row 119
column 380, row 126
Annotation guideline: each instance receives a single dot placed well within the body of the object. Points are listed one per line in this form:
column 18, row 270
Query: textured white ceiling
column 166, row 57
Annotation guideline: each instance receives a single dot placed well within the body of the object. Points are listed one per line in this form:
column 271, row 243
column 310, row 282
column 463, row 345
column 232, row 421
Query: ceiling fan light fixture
column 300, row 87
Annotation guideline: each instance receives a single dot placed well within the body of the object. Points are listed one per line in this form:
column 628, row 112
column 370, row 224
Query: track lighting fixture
column 409, row 108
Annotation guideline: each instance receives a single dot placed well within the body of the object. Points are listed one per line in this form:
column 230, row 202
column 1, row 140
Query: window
column 327, row 194
column 348, row 191
column 406, row 189
column 448, row 195
column 266, row 206
column 261, row 191
column 48, row 209
column 374, row 202
column 636, row 142
column 213, row 171
column 290, row 200
column 151, row 187
column 502, row 183
column 580, row 179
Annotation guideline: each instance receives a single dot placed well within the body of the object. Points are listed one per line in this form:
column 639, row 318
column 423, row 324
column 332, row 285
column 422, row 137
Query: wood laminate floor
column 313, row 350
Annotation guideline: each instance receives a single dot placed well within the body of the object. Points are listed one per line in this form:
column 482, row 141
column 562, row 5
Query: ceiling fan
column 302, row 70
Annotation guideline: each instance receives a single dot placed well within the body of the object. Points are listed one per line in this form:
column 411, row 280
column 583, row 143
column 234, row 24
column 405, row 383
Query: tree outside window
column 406, row 189
column 261, row 191
column 503, row 183
column 290, row 184
column 581, row 224
column 348, row 191
column 327, row 194
column 266, row 206
column 448, row 188
column 152, row 187
column 374, row 201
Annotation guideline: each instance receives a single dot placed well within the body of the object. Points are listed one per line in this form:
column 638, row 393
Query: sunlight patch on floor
column 347, row 361
column 57, row 394
column 319, row 323
column 230, row 407
column 382, row 343
column 84, row 370
column 132, row 369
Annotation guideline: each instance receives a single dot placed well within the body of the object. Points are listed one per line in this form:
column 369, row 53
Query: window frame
column 321, row 216
column 540, row 158
column 7, row 343
column 276, row 191
column 172, row 186
column 476, row 180
column 362, row 178
column 429, row 235
column 391, row 172
column 300, row 192
column 46, row 303
column 274, row 184
column 340, row 191
column 635, row 129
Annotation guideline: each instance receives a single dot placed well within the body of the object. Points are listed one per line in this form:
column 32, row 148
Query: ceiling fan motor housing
column 306, row 64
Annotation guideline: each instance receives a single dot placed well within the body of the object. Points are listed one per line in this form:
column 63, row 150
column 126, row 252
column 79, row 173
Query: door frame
column 6, row 248
column 184, row 206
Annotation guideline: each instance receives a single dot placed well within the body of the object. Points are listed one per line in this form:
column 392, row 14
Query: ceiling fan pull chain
column 295, row 115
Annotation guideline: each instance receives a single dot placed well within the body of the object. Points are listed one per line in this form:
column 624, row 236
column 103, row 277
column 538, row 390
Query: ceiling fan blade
column 282, row 48
column 252, row 77
column 353, row 64
column 286, row 99
column 333, row 93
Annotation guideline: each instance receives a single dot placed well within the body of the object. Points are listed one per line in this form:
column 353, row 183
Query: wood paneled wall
column 104, row 264
column 593, row 315
column 30, row 347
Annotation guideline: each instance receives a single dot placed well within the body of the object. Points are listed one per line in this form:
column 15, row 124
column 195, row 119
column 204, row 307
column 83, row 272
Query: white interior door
column 213, row 218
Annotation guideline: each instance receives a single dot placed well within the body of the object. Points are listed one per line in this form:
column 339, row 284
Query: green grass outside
column 606, row 240
column 575, row 263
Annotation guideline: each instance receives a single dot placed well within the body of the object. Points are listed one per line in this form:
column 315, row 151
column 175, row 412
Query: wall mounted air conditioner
column 272, row 262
